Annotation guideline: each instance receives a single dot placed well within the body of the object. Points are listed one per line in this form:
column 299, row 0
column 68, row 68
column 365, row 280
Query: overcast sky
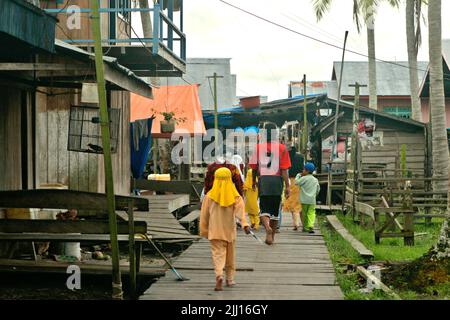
column 265, row 57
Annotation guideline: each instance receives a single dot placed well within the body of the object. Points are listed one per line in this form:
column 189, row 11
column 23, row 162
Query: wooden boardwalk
column 297, row 267
column 162, row 225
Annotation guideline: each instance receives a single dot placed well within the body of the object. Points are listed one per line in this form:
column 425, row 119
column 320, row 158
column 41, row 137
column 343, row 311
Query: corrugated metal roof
column 392, row 80
column 80, row 53
column 348, row 106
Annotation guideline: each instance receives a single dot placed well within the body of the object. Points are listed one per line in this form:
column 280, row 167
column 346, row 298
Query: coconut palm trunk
column 373, row 100
column 437, row 97
column 412, row 36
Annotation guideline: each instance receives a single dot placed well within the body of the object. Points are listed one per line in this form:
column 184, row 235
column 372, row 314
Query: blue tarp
column 139, row 157
column 237, row 116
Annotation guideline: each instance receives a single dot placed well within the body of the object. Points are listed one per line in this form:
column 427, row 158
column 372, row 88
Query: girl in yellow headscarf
column 251, row 200
column 220, row 208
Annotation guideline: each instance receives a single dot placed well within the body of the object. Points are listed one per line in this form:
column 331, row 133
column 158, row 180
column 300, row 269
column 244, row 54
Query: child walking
column 309, row 190
column 220, row 208
column 251, row 200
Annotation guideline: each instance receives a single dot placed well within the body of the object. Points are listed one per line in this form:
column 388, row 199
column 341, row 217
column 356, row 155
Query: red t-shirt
column 270, row 158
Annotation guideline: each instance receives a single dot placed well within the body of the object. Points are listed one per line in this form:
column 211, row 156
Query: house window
column 403, row 112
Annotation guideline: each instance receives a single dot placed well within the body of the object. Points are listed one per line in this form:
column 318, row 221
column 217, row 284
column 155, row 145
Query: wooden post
column 117, row 292
column 216, row 116
column 155, row 155
column 132, row 249
column 334, row 146
column 403, row 161
column 344, row 188
column 408, row 227
column 355, row 144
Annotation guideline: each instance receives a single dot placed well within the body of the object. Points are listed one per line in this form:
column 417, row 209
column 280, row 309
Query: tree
column 437, row 97
column 413, row 37
column 366, row 9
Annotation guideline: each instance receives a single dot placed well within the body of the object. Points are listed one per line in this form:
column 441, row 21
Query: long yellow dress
column 292, row 204
column 251, row 200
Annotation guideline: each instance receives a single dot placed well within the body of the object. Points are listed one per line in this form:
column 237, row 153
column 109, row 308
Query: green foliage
column 361, row 8
column 168, row 115
column 341, row 254
column 403, row 160
column 393, row 250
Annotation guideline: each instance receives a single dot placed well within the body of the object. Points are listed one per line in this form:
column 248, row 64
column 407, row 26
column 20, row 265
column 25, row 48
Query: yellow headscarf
column 223, row 191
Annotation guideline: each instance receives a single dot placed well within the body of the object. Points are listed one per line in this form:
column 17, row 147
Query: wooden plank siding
column 79, row 171
column 121, row 160
column 393, row 138
column 10, row 138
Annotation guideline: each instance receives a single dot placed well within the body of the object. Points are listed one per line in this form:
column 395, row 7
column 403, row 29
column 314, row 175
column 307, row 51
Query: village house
column 394, row 96
column 425, row 87
column 36, row 119
column 49, row 118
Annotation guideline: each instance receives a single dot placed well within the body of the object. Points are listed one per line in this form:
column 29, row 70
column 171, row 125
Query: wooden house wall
column 79, row 171
column 10, row 139
column 54, row 163
column 389, row 152
column 121, row 160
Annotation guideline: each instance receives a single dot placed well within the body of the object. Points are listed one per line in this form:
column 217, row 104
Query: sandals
column 219, row 282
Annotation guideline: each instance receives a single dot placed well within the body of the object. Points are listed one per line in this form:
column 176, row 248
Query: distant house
column 197, row 72
column 330, row 88
column 425, row 87
column 393, row 89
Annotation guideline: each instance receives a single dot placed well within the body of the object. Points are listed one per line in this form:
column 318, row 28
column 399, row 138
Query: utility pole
column 355, row 165
column 335, row 134
column 357, row 87
column 104, row 125
column 216, row 117
column 305, row 122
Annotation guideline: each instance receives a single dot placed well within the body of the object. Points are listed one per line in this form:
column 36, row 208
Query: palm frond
column 418, row 31
column 321, row 7
column 356, row 14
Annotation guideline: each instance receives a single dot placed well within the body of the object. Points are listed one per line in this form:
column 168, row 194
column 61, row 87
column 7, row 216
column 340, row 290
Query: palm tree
column 437, row 97
column 413, row 36
column 366, row 8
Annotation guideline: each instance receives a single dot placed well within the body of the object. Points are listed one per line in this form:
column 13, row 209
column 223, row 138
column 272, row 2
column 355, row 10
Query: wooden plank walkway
column 297, row 267
column 161, row 223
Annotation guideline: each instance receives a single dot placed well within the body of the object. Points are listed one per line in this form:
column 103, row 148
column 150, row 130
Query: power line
column 446, row 76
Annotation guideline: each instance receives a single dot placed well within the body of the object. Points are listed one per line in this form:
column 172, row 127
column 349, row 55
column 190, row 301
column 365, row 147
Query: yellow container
column 19, row 213
column 159, row 177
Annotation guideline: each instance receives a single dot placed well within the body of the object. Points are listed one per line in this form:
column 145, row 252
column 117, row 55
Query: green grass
column 342, row 254
column 393, row 249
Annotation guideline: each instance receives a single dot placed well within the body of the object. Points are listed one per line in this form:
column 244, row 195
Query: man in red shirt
column 271, row 163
